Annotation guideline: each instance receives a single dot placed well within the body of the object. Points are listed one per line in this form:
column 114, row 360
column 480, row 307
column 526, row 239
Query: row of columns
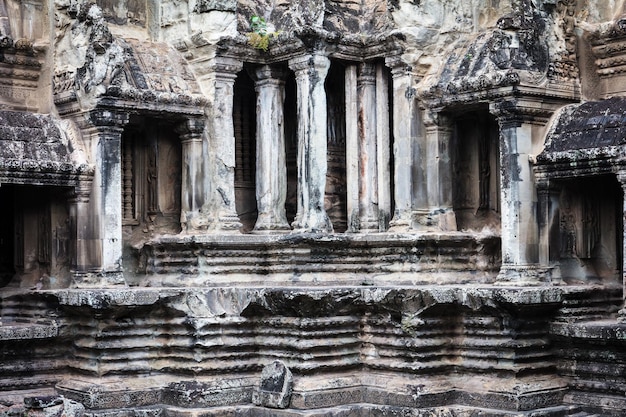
column 421, row 155
column 367, row 147
column 417, row 162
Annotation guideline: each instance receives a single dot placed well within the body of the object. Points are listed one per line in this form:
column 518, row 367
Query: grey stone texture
column 312, row 208
column 276, row 386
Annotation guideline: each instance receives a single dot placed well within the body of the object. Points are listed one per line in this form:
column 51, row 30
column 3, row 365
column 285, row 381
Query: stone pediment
column 125, row 70
column 160, row 68
column 155, row 73
column 590, row 131
column 34, row 150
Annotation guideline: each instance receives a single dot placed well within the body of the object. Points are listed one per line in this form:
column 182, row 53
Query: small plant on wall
column 260, row 36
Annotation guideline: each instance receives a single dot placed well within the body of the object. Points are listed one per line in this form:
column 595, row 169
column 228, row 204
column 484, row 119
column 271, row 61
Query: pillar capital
column 81, row 192
column 367, row 73
column 513, row 112
column 621, row 177
column 304, row 63
column 268, row 72
column 434, row 118
column 398, row 66
column 225, row 67
column 108, row 118
column 191, row 128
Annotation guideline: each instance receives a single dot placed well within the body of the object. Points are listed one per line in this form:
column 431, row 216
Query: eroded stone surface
column 276, row 386
column 439, row 220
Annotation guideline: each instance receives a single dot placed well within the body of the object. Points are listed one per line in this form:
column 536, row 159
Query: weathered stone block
column 204, row 6
column 276, row 386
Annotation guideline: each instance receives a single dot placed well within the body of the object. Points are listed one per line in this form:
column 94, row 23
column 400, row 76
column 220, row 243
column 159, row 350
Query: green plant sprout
column 259, row 38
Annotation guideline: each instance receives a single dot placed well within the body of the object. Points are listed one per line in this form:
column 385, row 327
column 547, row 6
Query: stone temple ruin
column 312, row 208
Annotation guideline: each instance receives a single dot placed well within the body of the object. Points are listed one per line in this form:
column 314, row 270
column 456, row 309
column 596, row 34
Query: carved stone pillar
column 352, row 148
column 104, row 132
column 383, row 148
column 548, row 195
column 621, row 176
column 85, row 253
column 271, row 167
column 217, row 83
column 439, row 186
column 405, row 134
column 311, row 71
column 520, row 242
column 193, row 218
column 368, row 170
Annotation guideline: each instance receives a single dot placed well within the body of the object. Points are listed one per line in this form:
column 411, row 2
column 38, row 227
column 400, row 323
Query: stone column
column 439, row 186
column 383, row 148
column 352, row 148
column 368, row 171
column 85, row 253
column 104, row 131
column 520, row 257
column 271, row 166
column 621, row 176
column 217, row 82
column 311, row 71
column 192, row 217
column 405, row 135
column 548, row 195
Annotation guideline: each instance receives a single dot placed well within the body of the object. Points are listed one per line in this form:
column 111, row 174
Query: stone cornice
column 520, row 100
column 289, row 45
column 44, row 172
column 608, row 42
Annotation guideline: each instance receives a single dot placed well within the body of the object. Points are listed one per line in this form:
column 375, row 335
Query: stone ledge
column 363, row 409
column 27, row 331
column 319, row 259
column 324, row 392
column 606, row 330
column 472, row 296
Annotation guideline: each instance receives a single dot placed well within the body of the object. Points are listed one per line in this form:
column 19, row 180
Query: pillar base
column 440, row 219
column 271, row 228
column 229, row 222
column 524, row 275
column 194, row 222
column 97, row 279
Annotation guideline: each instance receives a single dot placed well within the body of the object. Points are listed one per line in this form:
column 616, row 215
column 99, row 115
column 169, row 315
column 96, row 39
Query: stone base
column 524, row 275
column 320, row 259
column 98, row 279
column 437, row 220
column 463, row 350
column 379, row 394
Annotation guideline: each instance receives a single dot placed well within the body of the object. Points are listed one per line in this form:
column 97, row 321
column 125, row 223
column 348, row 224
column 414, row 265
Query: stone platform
column 455, row 350
column 312, row 259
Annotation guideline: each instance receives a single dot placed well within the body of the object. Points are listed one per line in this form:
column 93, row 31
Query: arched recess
column 590, row 229
column 476, row 170
column 151, row 179
column 34, row 236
